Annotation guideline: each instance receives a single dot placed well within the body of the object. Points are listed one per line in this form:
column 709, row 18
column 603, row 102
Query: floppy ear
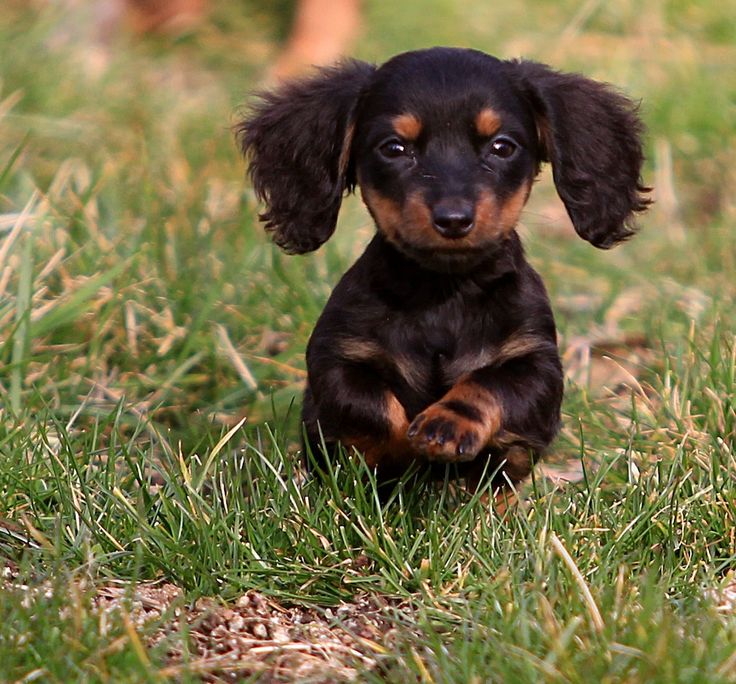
column 298, row 139
column 592, row 135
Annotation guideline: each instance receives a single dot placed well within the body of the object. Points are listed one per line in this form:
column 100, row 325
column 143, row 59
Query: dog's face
column 445, row 144
column 445, row 155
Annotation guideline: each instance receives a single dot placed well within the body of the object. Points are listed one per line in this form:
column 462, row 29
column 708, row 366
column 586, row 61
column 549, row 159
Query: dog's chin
column 455, row 259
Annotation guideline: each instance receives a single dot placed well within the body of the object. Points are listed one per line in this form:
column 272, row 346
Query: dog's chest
column 435, row 348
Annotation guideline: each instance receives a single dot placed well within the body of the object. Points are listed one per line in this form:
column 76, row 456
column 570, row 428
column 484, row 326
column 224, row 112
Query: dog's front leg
column 455, row 428
column 351, row 405
column 516, row 403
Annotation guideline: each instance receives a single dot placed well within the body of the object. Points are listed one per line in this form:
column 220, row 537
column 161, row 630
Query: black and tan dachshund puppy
column 438, row 346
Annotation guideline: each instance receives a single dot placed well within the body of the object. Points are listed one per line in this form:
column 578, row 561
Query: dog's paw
column 442, row 435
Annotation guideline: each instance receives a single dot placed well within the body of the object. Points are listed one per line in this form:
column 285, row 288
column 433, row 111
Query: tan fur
column 369, row 351
column 386, row 213
column 494, row 220
column 487, row 122
column 395, row 452
column 518, row 463
column 347, row 143
column 486, row 215
column 511, row 209
column 516, row 346
column 482, row 400
column 515, row 464
column 408, row 126
column 396, row 417
column 418, row 217
column 544, row 134
column 411, row 371
column 412, row 223
column 355, row 349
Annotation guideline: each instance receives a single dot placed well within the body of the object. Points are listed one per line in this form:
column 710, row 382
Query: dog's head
column 445, row 144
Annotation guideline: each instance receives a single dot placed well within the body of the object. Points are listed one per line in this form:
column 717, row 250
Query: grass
column 151, row 361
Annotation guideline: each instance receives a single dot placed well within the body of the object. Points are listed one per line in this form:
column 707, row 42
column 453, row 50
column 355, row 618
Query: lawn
column 155, row 522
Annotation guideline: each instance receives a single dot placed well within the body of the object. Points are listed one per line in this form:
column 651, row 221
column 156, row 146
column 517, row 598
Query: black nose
column 453, row 219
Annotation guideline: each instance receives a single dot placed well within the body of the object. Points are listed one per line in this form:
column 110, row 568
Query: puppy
column 438, row 346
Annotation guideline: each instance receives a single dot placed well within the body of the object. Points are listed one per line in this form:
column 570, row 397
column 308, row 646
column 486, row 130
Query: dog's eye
column 503, row 148
column 392, row 149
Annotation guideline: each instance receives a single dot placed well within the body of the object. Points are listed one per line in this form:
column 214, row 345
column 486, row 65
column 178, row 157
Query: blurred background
column 133, row 272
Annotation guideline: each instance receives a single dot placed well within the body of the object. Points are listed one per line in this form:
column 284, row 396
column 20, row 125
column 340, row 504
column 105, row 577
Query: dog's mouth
column 447, row 256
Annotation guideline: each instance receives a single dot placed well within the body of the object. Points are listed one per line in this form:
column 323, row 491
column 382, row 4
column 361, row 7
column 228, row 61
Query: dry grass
column 158, row 528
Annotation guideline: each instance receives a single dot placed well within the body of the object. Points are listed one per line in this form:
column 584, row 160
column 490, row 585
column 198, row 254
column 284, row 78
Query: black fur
column 439, row 346
column 295, row 138
column 592, row 136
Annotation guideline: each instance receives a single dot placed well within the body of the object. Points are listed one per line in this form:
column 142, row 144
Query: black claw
column 438, row 430
column 465, row 444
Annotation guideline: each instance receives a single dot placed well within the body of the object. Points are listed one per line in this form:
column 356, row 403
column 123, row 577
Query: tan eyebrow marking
column 407, row 126
column 487, row 122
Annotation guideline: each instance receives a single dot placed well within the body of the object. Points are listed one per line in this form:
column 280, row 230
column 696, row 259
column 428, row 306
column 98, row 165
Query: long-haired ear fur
column 298, row 140
column 592, row 135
